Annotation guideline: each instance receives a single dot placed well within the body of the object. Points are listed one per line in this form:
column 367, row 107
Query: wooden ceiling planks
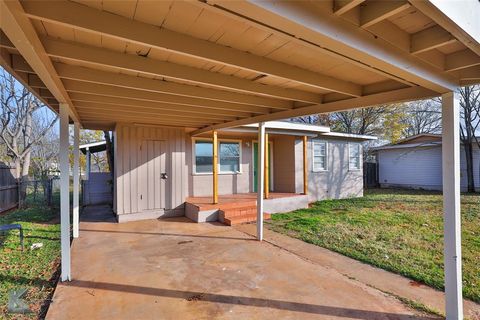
column 202, row 21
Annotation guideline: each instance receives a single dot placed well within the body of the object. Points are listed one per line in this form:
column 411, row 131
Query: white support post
column 76, row 178
column 451, row 205
column 260, row 177
column 64, row 192
column 89, row 164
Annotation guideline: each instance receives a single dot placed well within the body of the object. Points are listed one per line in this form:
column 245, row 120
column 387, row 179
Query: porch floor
column 229, row 200
column 177, row 269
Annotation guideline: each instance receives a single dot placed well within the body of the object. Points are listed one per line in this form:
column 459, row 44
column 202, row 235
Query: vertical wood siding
column 133, row 168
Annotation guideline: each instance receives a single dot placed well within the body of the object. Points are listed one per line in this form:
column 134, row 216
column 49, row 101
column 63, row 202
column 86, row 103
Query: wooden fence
column 8, row 188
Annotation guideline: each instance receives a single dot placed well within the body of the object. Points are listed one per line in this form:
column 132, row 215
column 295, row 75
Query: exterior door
column 153, row 175
column 255, row 164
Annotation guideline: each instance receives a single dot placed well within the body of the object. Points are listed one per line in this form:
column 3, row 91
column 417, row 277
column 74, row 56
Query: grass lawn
column 397, row 230
column 31, row 269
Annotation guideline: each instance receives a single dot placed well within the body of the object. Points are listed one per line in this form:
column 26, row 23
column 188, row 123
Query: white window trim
column 313, row 155
column 360, row 162
column 194, row 164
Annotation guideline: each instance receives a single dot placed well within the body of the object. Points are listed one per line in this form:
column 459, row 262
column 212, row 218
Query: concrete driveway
column 176, row 269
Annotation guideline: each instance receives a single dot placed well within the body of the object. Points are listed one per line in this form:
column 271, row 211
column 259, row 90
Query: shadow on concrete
column 248, row 301
column 170, row 234
column 99, row 213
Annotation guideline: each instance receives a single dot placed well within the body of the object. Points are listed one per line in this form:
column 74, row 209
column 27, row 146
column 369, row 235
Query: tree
column 318, row 119
column 422, row 117
column 45, row 156
column 469, row 122
column 24, row 121
column 367, row 121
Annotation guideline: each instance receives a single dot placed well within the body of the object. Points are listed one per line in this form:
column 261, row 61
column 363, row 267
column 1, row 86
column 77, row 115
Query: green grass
column 33, row 269
column 397, row 230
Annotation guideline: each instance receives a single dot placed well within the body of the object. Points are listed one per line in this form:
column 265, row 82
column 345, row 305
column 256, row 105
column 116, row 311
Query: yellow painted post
column 215, row 167
column 305, row 166
column 267, row 160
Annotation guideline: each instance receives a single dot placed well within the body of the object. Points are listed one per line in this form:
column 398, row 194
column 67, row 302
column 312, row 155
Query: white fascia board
column 272, row 131
column 348, row 135
column 291, row 126
column 93, row 144
column 408, row 146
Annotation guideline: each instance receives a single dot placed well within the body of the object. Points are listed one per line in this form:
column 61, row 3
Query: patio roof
column 217, row 64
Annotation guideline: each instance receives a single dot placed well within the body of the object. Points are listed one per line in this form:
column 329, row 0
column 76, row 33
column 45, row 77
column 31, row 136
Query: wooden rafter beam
column 121, row 61
column 93, row 107
column 150, row 105
column 430, row 38
column 66, row 71
column 439, row 12
column 340, row 37
column 107, row 24
column 407, row 94
column 6, row 63
column 461, row 59
column 107, row 116
column 111, row 91
column 375, row 11
column 16, row 25
column 472, row 73
column 342, row 6
column 223, row 8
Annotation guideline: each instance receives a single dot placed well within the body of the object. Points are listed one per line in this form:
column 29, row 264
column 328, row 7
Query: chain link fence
column 38, row 191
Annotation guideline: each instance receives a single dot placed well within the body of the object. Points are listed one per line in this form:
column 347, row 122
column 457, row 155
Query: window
column 228, row 156
column 319, row 155
column 203, row 156
column 354, row 156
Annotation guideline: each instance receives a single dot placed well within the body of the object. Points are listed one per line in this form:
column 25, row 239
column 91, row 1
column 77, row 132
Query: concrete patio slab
column 375, row 277
column 177, row 269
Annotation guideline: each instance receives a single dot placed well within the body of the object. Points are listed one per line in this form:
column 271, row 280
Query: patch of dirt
column 196, row 297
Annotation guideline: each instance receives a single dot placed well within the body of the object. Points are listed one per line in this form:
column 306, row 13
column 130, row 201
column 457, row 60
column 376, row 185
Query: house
column 416, row 162
column 149, row 70
column 163, row 172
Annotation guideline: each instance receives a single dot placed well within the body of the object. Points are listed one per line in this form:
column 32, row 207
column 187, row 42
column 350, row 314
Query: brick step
column 244, row 219
column 238, row 211
column 227, row 206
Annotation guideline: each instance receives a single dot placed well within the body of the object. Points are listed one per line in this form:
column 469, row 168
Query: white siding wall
column 420, row 168
column 128, row 162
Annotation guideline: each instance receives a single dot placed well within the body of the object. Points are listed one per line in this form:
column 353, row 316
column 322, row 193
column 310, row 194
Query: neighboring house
column 159, row 170
column 416, row 162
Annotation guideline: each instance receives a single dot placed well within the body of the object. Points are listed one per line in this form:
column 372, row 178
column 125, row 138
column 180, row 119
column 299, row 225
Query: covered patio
column 174, row 268
column 170, row 69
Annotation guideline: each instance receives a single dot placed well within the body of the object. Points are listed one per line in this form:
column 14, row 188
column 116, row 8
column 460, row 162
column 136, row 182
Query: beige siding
column 338, row 181
column 132, row 168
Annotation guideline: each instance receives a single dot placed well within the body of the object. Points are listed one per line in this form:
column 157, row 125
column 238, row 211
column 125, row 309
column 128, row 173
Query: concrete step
column 244, row 219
